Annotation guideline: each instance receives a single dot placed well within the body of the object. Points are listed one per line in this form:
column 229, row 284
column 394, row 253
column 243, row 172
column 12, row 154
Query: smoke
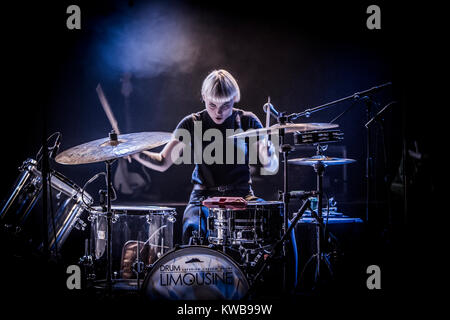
column 147, row 41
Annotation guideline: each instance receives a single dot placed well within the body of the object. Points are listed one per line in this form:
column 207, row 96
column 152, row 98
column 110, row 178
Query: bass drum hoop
column 202, row 249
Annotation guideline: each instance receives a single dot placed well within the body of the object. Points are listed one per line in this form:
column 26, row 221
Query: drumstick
column 266, row 136
column 108, row 111
column 268, row 114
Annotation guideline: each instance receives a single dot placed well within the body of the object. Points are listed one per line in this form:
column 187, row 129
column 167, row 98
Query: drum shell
column 150, row 226
column 260, row 222
column 26, row 191
column 195, row 273
column 65, row 206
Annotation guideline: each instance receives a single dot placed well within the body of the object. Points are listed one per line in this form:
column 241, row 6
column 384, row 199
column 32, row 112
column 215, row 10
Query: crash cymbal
column 289, row 128
column 326, row 161
column 106, row 149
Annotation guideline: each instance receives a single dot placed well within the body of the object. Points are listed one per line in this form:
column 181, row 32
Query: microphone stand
column 369, row 161
column 378, row 118
column 358, row 96
column 285, row 149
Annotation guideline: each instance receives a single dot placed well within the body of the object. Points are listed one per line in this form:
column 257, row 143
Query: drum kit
column 133, row 245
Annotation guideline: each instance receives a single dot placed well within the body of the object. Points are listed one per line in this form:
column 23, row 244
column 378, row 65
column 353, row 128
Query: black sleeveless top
column 225, row 169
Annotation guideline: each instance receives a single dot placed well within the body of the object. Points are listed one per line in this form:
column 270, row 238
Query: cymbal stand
column 320, row 257
column 285, row 149
column 138, row 265
column 113, row 138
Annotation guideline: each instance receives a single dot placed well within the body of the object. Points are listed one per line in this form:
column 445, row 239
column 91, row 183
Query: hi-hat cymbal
column 288, row 128
column 326, row 161
column 105, row 149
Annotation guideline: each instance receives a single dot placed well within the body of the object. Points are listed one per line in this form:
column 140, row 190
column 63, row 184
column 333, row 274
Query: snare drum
column 148, row 227
column 260, row 223
column 66, row 203
column 195, row 273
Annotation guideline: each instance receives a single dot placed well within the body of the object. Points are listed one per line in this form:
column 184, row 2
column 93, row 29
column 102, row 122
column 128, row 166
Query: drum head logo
column 198, row 276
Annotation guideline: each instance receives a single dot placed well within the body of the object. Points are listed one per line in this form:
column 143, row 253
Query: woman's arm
column 163, row 160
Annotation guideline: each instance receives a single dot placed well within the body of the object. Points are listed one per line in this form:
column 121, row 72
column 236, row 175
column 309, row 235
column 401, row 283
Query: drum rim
column 252, row 205
column 178, row 248
column 31, row 166
column 134, row 211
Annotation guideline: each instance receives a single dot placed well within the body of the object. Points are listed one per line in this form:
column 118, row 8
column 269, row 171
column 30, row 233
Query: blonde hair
column 220, row 87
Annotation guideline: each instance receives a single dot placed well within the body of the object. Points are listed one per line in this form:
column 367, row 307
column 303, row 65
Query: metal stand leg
column 108, row 228
column 278, row 244
column 320, row 257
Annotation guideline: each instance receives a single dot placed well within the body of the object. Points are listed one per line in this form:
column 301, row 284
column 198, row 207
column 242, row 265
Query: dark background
column 300, row 55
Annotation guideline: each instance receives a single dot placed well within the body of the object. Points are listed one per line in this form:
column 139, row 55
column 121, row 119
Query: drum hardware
column 274, row 249
column 138, row 265
column 319, row 162
column 107, row 150
column 87, row 262
column 283, row 127
column 285, row 149
column 363, row 96
column 197, row 237
column 231, row 224
column 87, row 259
column 377, row 118
column 80, row 224
column 141, row 234
column 26, row 193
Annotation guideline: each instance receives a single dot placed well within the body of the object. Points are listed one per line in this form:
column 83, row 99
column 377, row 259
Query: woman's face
column 219, row 112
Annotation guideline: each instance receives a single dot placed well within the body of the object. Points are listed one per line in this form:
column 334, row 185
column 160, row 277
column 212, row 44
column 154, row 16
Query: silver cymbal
column 288, row 127
column 326, row 161
column 105, row 149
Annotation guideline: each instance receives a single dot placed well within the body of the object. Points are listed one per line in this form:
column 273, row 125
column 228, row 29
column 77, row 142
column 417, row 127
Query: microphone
column 273, row 112
column 55, row 148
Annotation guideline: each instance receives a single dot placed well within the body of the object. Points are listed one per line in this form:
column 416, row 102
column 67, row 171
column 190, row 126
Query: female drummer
column 217, row 176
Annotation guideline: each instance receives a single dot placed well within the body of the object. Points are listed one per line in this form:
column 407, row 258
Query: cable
column 92, row 179
column 344, row 112
column 84, row 188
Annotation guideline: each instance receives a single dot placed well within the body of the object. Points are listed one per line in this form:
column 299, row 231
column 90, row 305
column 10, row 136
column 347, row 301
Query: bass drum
column 195, row 273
